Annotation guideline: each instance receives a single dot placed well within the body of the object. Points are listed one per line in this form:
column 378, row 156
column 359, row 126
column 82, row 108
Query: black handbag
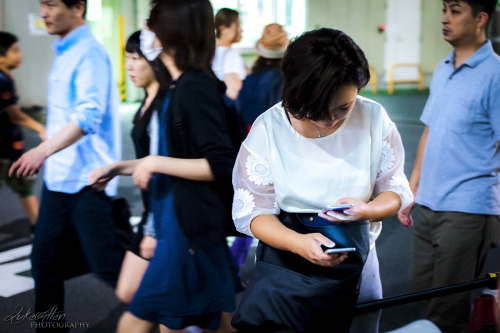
column 287, row 292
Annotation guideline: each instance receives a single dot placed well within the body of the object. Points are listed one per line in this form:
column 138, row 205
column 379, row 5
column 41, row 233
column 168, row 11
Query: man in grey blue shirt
column 456, row 174
column 83, row 133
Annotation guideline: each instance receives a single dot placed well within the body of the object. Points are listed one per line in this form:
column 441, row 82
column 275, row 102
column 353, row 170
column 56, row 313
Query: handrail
column 490, row 281
column 419, row 80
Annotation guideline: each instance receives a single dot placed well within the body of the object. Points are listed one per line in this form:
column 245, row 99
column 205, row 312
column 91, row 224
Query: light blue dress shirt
column 82, row 91
column 460, row 170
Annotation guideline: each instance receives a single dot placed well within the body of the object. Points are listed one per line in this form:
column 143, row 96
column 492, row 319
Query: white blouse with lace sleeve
column 277, row 168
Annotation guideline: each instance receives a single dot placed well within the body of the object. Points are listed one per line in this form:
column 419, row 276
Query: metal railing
column 490, row 281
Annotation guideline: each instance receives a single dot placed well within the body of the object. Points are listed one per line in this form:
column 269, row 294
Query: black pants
column 75, row 234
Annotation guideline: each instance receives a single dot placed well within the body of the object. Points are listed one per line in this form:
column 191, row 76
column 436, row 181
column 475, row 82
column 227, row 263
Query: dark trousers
column 450, row 248
column 75, row 234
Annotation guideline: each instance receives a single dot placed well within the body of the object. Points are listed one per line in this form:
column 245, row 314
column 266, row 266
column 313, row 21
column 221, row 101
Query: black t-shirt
column 11, row 140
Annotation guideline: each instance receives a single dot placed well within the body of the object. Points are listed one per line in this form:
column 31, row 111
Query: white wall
column 359, row 18
column 402, row 45
column 31, row 76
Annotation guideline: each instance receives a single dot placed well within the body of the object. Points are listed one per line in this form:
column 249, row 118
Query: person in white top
column 228, row 64
column 323, row 144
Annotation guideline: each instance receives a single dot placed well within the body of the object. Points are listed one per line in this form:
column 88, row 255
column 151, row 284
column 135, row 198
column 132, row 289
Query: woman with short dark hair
column 323, row 145
column 318, row 65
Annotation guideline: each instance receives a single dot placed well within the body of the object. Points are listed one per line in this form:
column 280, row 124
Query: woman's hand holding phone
column 345, row 210
column 331, row 250
column 309, row 246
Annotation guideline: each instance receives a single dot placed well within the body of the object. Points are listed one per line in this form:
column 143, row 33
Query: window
column 94, row 10
column 256, row 14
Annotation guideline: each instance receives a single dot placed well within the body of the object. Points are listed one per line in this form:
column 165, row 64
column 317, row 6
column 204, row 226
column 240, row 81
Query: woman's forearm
column 271, row 231
column 193, row 169
column 385, row 205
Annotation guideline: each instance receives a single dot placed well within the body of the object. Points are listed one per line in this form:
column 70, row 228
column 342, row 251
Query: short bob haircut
column 186, row 31
column 6, row 41
column 315, row 65
column 225, row 17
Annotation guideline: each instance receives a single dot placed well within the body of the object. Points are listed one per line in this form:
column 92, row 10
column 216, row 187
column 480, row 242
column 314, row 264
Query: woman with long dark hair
column 189, row 280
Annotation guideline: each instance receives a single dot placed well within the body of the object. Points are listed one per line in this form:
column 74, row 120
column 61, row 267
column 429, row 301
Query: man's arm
column 417, row 167
column 31, row 161
column 405, row 215
column 16, row 115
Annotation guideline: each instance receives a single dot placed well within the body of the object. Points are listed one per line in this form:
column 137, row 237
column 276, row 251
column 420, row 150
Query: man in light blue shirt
column 83, row 133
column 456, row 174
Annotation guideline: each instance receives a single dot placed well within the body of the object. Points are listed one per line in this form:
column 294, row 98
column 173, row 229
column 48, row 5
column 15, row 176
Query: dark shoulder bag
column 287, row 292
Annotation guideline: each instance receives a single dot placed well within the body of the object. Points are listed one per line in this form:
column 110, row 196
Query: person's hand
column 147, row 247
column 99, row 178
column 405, row 217
column 309, row 247
column 143, row 173
column 29, row 163
column 358, row 212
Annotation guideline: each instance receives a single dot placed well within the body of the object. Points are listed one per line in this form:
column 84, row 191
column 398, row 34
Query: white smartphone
column 340, row 249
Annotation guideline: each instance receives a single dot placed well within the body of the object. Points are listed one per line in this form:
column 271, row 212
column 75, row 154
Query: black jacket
column 197, row 128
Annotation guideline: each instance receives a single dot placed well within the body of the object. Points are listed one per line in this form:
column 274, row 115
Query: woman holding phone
column 323, row 145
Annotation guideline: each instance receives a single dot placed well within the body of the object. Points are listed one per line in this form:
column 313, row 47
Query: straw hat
column 273, row 43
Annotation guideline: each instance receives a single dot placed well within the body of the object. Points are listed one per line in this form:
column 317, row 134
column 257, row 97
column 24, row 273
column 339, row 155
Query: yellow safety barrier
column 373, row 79
column 121, row 39
column 419, row 80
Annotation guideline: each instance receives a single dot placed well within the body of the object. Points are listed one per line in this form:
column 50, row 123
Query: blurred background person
column 145, row 138
column 189, row 280
column 83, row 133
column 228, row 65
column 11, row 120
column 263, row 86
